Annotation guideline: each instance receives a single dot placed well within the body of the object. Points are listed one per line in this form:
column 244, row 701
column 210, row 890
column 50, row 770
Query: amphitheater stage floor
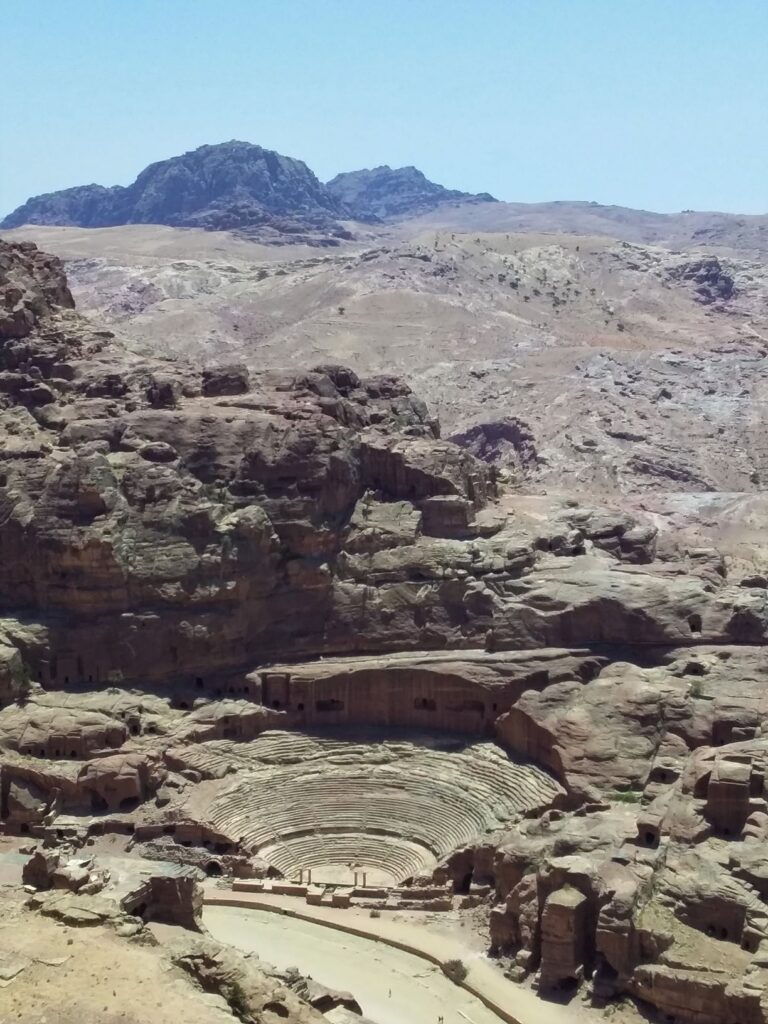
column 370, row 968
column 420, row 992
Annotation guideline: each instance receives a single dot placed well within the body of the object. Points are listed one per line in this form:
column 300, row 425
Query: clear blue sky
column 660, row 104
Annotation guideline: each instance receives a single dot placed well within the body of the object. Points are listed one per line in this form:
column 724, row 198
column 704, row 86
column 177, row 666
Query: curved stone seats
column 394, row 857
column 396, row 806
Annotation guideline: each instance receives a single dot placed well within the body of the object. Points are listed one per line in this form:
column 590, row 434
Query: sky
column 654, row 104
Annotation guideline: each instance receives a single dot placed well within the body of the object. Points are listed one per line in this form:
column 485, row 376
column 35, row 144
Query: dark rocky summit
column 239, row 186
column 222, row 187
column 387, row 193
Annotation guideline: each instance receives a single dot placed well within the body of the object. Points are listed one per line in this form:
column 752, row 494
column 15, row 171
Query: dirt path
column 420, row 993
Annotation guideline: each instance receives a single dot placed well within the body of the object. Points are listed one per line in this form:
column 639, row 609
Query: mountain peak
column 227, row 185
column 387, row 193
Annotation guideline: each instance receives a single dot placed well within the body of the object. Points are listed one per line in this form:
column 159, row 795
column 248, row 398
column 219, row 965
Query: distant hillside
column 385, row 192
column 675, row 230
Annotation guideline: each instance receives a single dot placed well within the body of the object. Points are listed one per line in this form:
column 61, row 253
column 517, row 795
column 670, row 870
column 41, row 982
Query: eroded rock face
column 31, row 285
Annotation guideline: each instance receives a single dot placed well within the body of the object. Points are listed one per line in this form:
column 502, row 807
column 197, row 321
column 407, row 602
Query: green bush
column 627, row 796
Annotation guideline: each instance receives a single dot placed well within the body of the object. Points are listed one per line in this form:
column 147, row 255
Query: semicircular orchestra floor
column 343, row 803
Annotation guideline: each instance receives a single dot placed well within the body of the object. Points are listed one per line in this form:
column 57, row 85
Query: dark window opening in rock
column 710, row 930
column 425, row 704
column 494, row 707
column 24, row 829
column 134, row 727
column 129, row 803
column 169, row 830
column 199, row 683
column 57, row 753
column 695, row 668
column 330, row 704
column 183, row 705
column 300, row 706
column 723, row 933
column 3, row 480
column 276, row 704
column 42, row 753
column 694, row 622
column 726, row 831
column 140, row 911
column 461, row 887
column 73, row 753
column 213, row 869
column 272, row 872
column 66, row 679
column 222, row 847
column 231, row 689
column 98, row 803
column 184, row 842
column 59, row 833
column 218, row 691
column 650, row 838
column 567, row 984
column 277, row 1008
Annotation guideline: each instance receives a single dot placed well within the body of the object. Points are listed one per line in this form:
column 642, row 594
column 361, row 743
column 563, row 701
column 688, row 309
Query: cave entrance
column 462, row 885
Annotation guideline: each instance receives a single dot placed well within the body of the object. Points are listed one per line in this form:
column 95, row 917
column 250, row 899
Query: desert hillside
column 628, row 367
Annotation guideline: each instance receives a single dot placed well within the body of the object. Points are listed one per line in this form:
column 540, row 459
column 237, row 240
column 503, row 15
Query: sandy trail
column 420, row 993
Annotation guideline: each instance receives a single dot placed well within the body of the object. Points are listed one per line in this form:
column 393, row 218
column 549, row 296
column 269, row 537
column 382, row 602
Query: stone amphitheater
column 343, row 804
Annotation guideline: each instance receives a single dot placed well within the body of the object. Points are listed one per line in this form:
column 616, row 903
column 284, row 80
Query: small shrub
column 627, row 796
column 342, row 310
column 455, row 970
column 238, row 1000
column 375, row 913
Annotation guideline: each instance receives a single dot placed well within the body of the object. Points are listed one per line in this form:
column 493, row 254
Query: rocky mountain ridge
column 238, row 186
column 231, row 185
